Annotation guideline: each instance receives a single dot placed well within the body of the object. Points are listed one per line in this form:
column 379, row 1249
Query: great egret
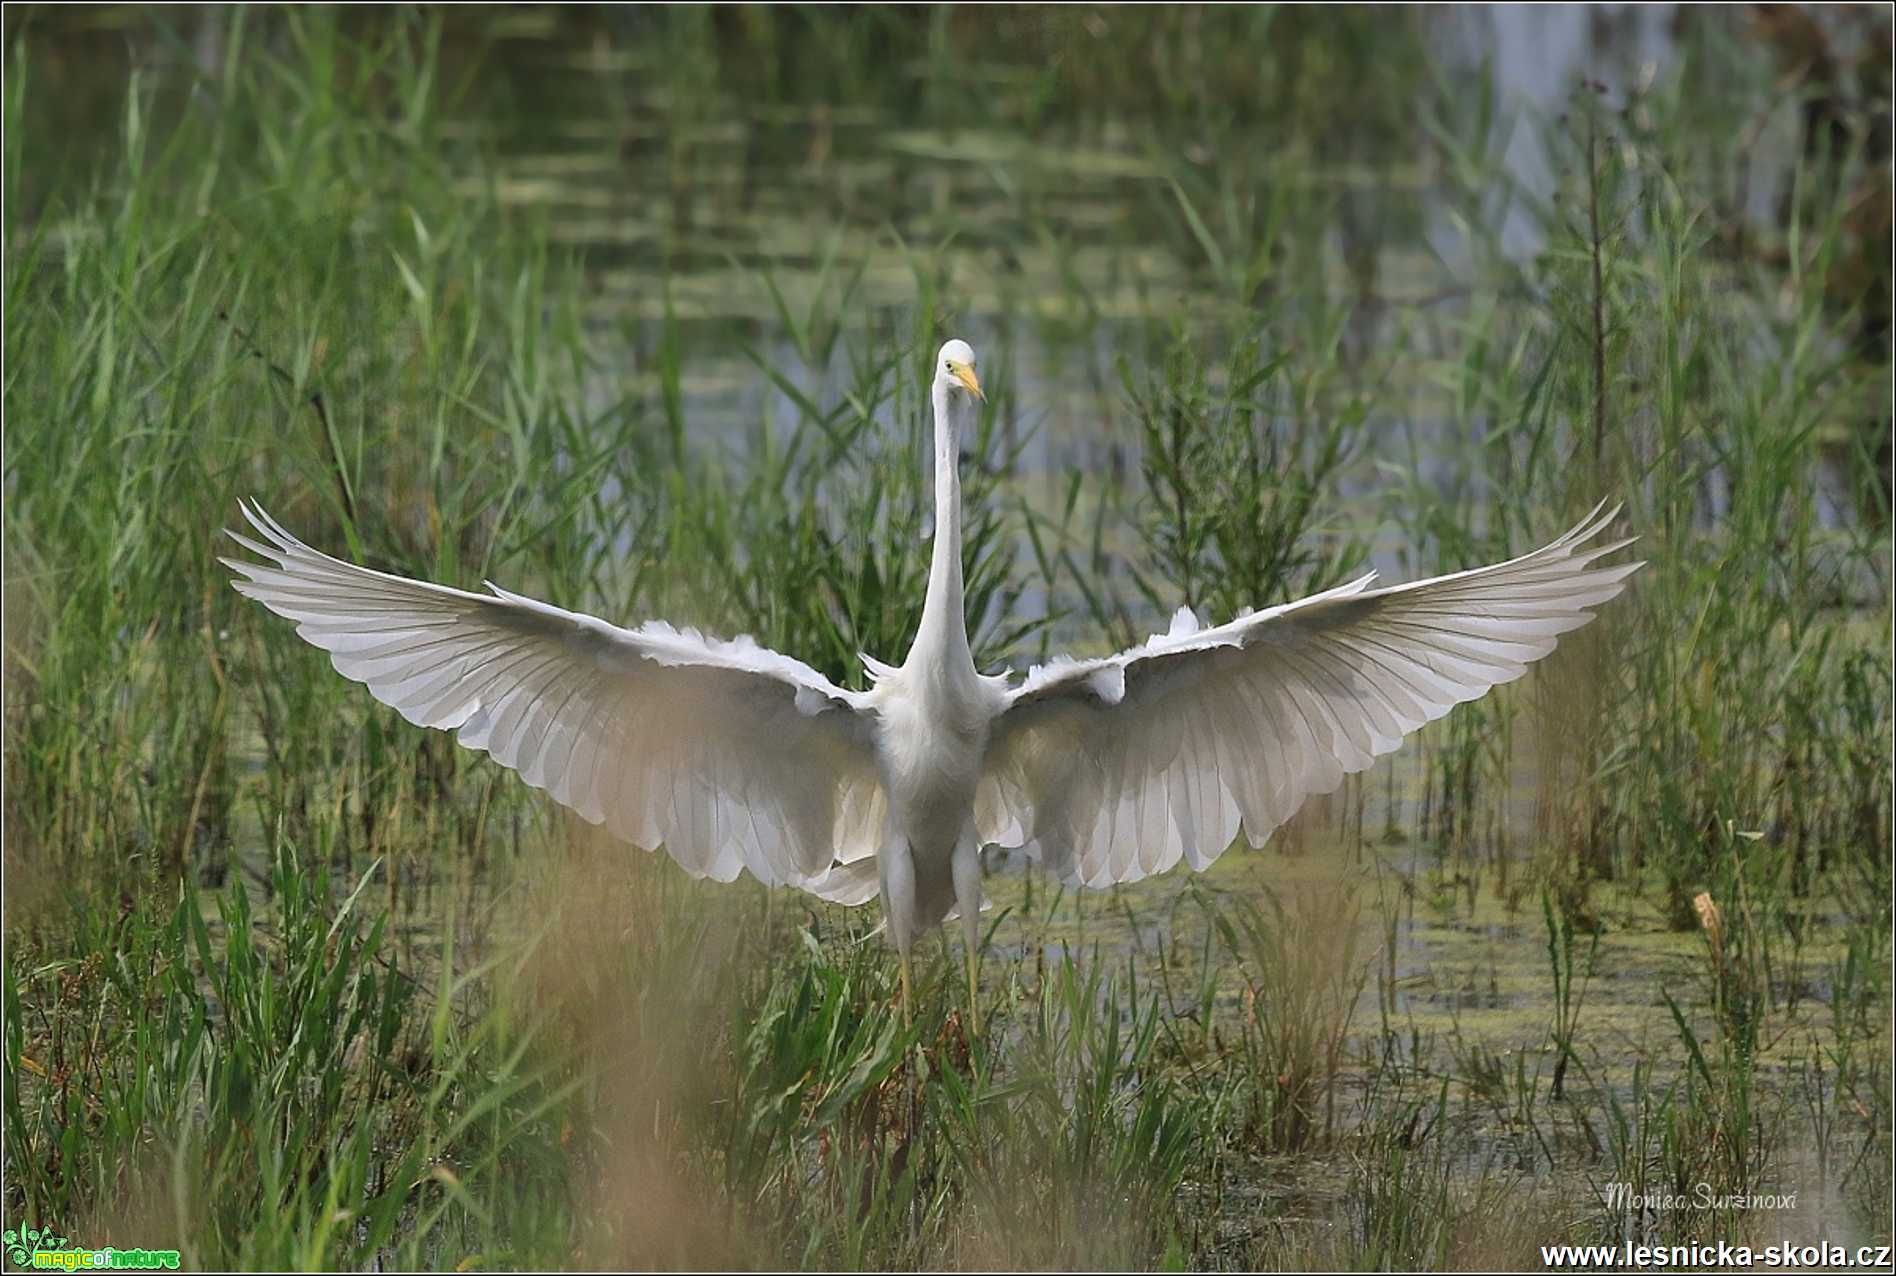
column 734, row 757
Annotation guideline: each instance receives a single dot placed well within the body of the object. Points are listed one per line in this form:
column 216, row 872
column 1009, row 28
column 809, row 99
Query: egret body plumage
column 735, row 758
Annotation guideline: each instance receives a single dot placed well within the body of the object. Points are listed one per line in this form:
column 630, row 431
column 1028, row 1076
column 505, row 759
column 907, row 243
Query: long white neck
column 942, row 641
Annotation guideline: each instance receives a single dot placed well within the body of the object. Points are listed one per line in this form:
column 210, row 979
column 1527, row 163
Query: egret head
column 954, row 368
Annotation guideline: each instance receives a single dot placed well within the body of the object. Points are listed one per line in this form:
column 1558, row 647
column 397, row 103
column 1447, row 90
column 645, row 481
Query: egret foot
column 974, row 996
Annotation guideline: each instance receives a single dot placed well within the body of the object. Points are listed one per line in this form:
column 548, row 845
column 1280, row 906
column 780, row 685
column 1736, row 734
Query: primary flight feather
column 734, row 757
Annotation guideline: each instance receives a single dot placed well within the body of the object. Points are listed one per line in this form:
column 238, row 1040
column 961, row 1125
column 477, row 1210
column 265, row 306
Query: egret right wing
column 729, row 755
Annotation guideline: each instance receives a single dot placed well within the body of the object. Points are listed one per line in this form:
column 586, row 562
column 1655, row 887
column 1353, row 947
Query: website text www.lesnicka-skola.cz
column 1784, row 1257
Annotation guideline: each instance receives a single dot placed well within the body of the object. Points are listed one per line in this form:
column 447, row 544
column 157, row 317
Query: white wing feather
column 1109, row 770
column 728, row 754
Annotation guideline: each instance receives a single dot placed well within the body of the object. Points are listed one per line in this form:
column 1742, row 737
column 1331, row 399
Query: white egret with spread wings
column 734, row 757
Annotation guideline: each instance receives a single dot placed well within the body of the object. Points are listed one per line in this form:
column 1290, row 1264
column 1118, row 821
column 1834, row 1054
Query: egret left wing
column 1109, row 770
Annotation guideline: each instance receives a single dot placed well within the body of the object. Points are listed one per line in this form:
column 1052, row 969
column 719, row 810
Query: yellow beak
column 964, row 373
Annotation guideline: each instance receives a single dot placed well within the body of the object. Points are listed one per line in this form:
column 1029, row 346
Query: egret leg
column 967, row 873
column 897, row 865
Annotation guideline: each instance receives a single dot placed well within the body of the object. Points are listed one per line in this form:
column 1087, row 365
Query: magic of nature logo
column 42, row 1250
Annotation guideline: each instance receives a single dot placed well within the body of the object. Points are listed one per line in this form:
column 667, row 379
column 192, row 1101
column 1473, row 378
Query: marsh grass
column 1303, row 976
column 292, row 984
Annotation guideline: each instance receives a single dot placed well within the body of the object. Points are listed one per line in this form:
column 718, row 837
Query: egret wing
column 1109, row 770
column 729, row 755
